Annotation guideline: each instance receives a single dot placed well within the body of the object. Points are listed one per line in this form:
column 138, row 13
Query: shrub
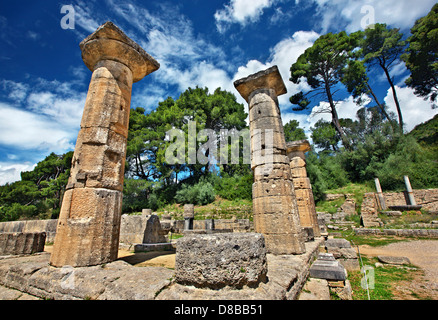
column 201, row 193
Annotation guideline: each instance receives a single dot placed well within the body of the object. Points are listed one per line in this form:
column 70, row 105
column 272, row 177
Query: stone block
column 299, row 172
column 297, row 162
column 329, row 270
column 302, row 183
column 189, row 211
column 267, row 172
column 337, row 243
column 262, row 106
column 272, row 188
column 219, row 260
column 263, row 81
column 394, row 260
column 89, row 219
column 15, row 243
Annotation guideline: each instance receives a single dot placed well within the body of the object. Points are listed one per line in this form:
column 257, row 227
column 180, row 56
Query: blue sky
column 43, row 81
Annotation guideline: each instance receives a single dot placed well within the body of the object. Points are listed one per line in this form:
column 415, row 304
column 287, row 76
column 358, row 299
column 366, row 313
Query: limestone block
column 276, row 171
column 88, row 227
column 98, row 162
column 267, row 123
column 297, row 162
column 189, row 211
column 301, row 183
column 153, row 232
column 285, row 243
column 15, row 243
column 329, row 270
column 219, row 260
column 280, row 187
column 263, row 105
column 259, row 140
column 260, row 158
column 299, row 172
column 109, row 41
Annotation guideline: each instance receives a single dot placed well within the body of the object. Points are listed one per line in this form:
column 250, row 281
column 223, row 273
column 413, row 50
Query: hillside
column 427, row 133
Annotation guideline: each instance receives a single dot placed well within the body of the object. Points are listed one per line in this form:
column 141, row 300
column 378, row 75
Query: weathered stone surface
column 269, row 78
column 189, row 211
column 88, row 227
column 113, row 281
column 219, row 260
column 47, row 226
column 109, row 42
column 315, row 289
column 15, row 243
column 329, row 270
column 136, row 229
column 337, row 243
column 274, row 203
column 286, row 276
column 369, row 211
column 394, row 260
column 89, row 223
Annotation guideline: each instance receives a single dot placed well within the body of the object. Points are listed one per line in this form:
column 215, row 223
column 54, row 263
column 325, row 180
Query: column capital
column 265, row 79
column 108, row 42
column 297, row 148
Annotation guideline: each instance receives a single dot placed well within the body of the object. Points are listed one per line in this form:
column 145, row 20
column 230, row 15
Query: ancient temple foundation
column 274, row 204
column 302, row 186
column 89, row 221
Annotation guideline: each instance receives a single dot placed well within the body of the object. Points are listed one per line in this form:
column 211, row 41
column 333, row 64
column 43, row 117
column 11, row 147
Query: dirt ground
column 142, row 259
column 421, row 253
column 149, row 259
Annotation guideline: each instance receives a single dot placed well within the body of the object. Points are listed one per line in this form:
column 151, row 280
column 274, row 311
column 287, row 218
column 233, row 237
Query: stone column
column 380, row 196
column 89, row 221
column 302, row 186
column 412, row 201
column 274, row 204
column 189, row 215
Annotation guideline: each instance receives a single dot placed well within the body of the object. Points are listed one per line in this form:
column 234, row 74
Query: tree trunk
column 382, row 108
column 397, row 104
column 335, row 118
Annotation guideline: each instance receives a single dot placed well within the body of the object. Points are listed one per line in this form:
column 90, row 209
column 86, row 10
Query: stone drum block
column 218, row 260
column 14, row 243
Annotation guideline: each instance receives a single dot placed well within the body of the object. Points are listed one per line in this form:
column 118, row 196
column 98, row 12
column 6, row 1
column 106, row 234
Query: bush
column 235, row 187
column 16, row 211
column 201, row 193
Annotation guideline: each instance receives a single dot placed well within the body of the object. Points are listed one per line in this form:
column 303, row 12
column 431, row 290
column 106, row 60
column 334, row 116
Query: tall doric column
column 302, row 186
column 274, row 204
column 89, row 222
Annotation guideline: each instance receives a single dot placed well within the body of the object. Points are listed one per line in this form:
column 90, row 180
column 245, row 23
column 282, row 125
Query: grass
column 407, row 219
column 383, row 279
column 219, row 209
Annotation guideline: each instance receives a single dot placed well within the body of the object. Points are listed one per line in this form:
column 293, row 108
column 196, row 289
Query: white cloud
column 414, row 109
column 10, row 172
column 240, row 11
column 351, row 16
column 27, row 130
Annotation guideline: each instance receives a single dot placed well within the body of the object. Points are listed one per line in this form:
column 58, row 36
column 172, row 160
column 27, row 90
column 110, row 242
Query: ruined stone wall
column 47, row 226
column 428, row 198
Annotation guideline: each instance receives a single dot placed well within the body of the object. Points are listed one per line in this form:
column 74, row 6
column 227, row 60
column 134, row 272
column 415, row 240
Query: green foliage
column 421, row 56
column 201, row 193
column 324, row 172
column 40, row 192
column 292, row 132
column 235, row 187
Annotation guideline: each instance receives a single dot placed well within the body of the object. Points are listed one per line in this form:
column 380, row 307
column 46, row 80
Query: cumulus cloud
column 414, row 109
column 355, row 15
column 240, row 11
column 22, row 129
column 10, row 172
